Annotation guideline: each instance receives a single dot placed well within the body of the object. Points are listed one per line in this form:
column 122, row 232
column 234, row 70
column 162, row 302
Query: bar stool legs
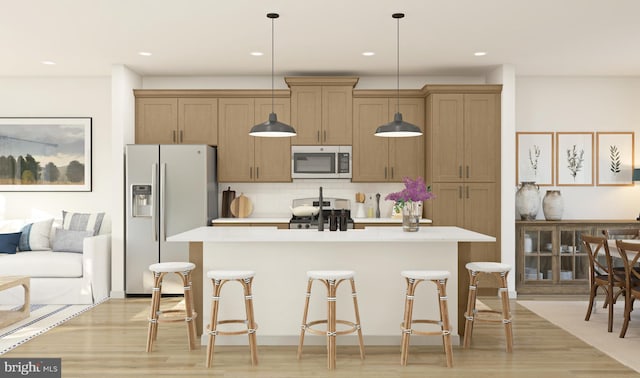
column 501, row 271
column 156, row 315
column 331, row 279
column 439, row 278
column 219, row 278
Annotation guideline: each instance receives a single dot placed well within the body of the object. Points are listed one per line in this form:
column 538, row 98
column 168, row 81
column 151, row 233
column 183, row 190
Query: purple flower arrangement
column 414, row 191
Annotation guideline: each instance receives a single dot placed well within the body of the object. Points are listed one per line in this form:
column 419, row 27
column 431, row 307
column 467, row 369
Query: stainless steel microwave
column 322, row 162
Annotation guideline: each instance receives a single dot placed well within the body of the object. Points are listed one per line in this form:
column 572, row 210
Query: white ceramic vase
column 552, row 205
column 528, row 200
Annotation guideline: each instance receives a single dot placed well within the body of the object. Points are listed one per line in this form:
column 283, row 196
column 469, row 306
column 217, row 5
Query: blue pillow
column 9, row 242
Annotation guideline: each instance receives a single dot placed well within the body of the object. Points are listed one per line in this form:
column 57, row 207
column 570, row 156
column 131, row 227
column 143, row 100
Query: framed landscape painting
column 614, row 158
column 574, row 159
column 534, row 158
column 45, row 154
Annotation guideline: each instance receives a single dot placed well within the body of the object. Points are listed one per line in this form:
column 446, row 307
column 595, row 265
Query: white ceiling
column 316, row 37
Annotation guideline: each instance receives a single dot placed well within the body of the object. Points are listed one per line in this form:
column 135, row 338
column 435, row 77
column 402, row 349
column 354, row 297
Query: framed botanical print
column 615, row 158
column 574, row 158
column 534, row 157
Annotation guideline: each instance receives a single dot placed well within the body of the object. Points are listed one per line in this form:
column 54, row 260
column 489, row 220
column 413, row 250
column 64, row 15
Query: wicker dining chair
column 630, row 254
column 602, row 274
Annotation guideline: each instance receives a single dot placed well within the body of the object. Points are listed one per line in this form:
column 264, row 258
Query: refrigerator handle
column 154, row 211
column 163, row 181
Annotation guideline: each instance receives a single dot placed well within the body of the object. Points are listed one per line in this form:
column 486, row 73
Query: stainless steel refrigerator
column 169, row 189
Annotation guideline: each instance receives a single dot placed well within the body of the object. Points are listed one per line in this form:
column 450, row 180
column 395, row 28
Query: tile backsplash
column 274, row 199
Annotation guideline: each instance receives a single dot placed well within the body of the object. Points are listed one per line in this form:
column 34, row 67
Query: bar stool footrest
column 232, row 333
column 353, row 327
column 176, row 316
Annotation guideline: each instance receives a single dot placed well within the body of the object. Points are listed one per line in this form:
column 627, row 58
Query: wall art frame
column 45, row 154
column 614, row 158
column 534, row 157
column 574, row 159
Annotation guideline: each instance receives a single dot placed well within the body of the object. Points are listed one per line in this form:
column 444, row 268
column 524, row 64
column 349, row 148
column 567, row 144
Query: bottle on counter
column 343, row 220
column 333, row 221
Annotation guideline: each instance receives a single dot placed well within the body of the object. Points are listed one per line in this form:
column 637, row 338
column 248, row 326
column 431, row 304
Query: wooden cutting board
column 241, row 207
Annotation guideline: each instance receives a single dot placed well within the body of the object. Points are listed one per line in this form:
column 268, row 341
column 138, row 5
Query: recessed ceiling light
column 368, row 53
column 144, row 53
column 256, row 53
column 480, row 53
column 48, row 62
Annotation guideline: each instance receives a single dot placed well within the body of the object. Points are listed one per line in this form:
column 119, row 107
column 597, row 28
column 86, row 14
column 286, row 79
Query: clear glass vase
column 411, row 214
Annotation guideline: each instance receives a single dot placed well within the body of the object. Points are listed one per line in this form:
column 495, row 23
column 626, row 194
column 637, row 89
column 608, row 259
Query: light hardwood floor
column 109, row 340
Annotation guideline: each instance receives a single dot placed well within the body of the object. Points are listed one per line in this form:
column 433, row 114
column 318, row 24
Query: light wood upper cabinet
column 156, row 120
column 464, row 137
column 198, row 121
column 321, row 110
column 244, row 158
column 272, row 155
column 386, row 159
column 172, row 120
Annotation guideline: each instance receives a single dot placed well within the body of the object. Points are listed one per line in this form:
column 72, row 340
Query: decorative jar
column 552, row 205
column 528, row 200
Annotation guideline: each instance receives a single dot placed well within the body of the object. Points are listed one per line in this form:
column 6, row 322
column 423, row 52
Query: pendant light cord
column 398, row 65
column 272, row 60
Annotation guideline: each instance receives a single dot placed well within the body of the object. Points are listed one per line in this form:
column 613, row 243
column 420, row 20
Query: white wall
column 62, row 97
column 588, row 104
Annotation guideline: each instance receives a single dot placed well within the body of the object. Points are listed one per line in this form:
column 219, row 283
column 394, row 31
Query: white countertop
column 277, row 219
column 373, row 234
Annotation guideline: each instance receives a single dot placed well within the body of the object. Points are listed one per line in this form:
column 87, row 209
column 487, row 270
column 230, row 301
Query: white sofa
column 59, row 277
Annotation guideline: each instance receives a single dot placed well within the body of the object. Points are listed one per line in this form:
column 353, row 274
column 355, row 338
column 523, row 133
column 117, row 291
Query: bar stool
column 218, row 279
column 500, row 271
column 331, row 279
column 439, row 278
column 188, row 315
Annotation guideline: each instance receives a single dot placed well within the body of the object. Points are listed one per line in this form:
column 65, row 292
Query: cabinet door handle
column 318, row 136
column 460, row 192
column 180, row 139
column 251, row 172
column 467, row 171
column 385, row 172
column 467, row 192
column 173, row 136
column 325, row 135
column 459, row 171
column 257, row 173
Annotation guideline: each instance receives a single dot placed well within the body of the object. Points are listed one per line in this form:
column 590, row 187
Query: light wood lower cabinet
column 244, row 158
column 550, row 257
column 379, row 159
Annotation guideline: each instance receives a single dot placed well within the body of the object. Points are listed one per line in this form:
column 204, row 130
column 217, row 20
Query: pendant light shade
column 398, row 127
column 272, row 127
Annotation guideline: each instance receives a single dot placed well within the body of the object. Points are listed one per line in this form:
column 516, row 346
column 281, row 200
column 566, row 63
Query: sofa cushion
column 69, row 240
column 9, row 242
column 42, row 264
column 35, row 236
column 82, row 221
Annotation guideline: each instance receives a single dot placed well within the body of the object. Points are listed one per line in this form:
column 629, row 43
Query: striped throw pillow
column 82, row 221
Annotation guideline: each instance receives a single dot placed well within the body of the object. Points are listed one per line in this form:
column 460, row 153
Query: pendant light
column 397, row 127
column 272, row 127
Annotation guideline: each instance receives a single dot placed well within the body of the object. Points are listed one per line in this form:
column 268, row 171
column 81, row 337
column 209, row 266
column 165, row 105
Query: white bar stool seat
column 472, row 315
column 331, row 279
column 413, row 278
column 218, row 279
column 188, row 315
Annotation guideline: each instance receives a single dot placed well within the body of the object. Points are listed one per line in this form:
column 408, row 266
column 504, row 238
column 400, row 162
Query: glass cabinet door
column 574, row 261
column 538, row 254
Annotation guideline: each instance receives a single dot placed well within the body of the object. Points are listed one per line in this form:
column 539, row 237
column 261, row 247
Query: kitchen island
column 282, row 257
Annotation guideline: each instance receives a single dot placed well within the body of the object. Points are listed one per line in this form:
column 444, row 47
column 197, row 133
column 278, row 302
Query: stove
column 328, row 204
